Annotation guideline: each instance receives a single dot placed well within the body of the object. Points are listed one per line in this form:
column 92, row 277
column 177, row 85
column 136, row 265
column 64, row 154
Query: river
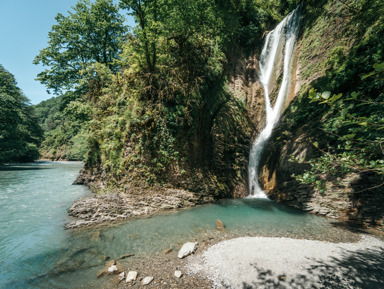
column 33, row 209
column 36, row 251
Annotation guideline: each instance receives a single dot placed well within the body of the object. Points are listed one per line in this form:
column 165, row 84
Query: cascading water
column 284, row 35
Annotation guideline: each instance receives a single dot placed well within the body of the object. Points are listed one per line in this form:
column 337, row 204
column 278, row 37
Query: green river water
column 36, row 251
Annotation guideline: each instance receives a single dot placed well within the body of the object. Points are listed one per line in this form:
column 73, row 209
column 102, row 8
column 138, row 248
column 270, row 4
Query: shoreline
column 110, row 209
column 162, row 266
column 103, row 209
column 259, row 262
column 226, row 261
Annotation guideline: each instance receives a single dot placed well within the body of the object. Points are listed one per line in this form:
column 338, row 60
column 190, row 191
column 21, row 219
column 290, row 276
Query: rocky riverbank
column 224, row 261
column 109, row 207
column 166, row 267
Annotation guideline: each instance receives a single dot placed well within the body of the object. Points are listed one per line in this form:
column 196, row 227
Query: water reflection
column 40, row 165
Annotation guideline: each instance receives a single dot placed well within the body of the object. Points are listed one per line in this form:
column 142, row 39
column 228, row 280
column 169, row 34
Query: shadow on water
column 356, row 228
column 58, row 265
column 260, row 205
column 22, row 168
column 361, row 269
column 37, row 165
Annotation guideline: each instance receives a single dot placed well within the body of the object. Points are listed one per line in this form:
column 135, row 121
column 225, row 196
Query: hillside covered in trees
column 64, row 136
column 20, row 134
column 154, row 104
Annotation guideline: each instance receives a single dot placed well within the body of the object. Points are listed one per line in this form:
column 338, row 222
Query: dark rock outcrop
column 355, row 197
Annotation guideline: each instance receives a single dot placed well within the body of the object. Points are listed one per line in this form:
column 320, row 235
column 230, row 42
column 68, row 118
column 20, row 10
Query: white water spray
column 284, row 34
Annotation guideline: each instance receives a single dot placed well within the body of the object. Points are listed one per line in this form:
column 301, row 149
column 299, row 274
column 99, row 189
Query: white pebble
column 121, row 276
column 112, row 269
column 132, row 275
column 147, row 280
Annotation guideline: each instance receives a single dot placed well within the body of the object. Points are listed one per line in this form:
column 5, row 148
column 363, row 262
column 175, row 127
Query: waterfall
column 283, row 36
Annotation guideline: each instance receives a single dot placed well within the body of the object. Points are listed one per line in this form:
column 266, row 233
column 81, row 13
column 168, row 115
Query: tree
column 146, row 13
column 64, row 133
column 93, row 32
column 171, row 44
column 20, row 134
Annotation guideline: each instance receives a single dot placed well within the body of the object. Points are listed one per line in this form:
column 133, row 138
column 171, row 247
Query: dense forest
column 64, row 136
column 20, row 134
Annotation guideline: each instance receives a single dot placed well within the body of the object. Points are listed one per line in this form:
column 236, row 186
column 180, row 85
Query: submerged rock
column 167, row 251
column 220, row 226
column 126, row 256
column 96, row 236
column 187, row 249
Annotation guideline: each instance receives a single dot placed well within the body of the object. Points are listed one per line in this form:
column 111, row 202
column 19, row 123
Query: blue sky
column 24, row 27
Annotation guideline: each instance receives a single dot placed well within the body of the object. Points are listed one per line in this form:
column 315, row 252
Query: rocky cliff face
column 244, row 85
column 354, row 197
column 222, row 172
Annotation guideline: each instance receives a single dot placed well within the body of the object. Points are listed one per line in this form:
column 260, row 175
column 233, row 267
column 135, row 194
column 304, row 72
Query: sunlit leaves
column 92, row 32
column 355, row 123
column 379, row 68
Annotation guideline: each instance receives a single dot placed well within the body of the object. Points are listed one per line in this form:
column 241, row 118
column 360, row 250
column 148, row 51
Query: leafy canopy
column 92, row 32
column 64, row 136
column 20, row 134
column 154, row 119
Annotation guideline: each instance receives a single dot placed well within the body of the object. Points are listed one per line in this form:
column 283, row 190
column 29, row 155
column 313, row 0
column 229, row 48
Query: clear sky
column 24, row 27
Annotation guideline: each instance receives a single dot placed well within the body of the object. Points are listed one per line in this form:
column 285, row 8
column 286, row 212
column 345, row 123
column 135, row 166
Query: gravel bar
column 261, row 262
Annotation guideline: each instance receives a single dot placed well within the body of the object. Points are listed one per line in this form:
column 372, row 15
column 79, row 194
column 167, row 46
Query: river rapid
column 36, row 251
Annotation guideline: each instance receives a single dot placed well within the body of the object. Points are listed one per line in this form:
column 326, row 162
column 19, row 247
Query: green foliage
column 355, row 124
column 173, row 37
column 286, row 6
column 172, row 44
column 346, row 128
column 245, row 22
column 160, row 112
column 153, row 122
column 64, row 134
column 20, row 134
column 93, row 32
